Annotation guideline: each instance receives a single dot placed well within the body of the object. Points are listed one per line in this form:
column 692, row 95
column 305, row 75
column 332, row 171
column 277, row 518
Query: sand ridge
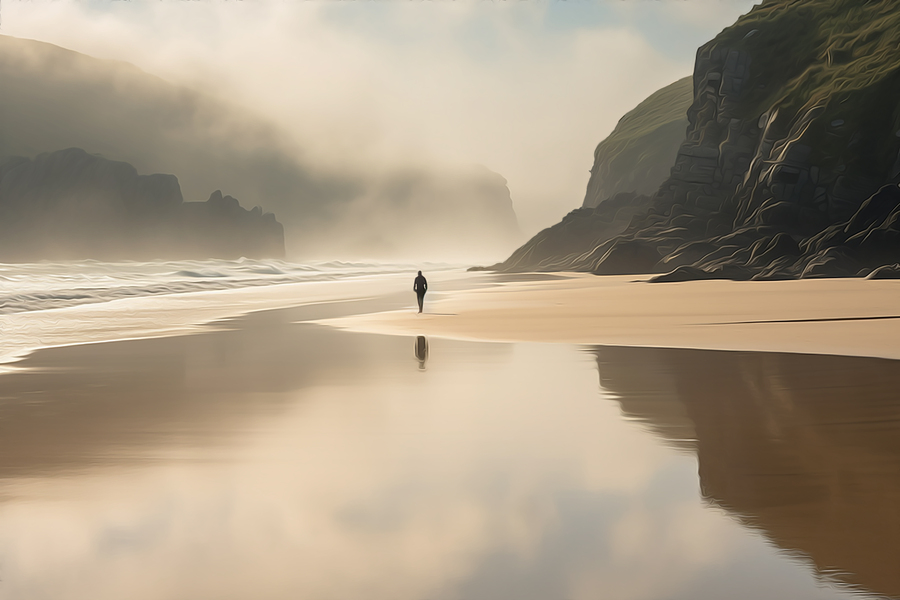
column 853, row 317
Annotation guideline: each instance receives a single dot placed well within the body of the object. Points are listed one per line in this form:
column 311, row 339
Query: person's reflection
column 422, row 351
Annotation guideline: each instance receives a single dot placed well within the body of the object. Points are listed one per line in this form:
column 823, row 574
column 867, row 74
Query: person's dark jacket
column 420, row 285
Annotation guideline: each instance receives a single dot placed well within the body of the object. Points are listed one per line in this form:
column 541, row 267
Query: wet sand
column 848, row 317
column 268, row 457
column 803, row 448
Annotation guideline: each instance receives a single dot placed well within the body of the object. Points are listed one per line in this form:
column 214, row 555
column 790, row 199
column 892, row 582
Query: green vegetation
column 806, row 51
column 637, row 155
column 840, row 55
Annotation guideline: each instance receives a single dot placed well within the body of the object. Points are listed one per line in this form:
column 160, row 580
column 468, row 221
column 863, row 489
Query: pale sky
column 526, row 88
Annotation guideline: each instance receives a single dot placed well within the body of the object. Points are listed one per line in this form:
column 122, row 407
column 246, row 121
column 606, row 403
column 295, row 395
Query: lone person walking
column 420, row 286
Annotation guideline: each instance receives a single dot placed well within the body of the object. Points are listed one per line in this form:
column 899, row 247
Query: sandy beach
column 852, row 317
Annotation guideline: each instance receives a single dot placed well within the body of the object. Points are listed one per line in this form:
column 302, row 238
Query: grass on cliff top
column 809, row 50
column 842, row 55
column 662, row 107
column 638, row 154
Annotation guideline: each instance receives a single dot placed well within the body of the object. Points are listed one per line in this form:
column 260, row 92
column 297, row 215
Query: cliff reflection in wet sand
column 804, row 448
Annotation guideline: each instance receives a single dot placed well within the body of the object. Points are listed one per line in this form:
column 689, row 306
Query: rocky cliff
column 70, row 204
column 791, row 159
column 637, row 155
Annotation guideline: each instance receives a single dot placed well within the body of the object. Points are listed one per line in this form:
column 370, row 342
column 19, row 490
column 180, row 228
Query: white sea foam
column 53, row 304
column 43, row 286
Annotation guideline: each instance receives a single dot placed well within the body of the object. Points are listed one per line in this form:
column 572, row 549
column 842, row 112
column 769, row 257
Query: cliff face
column 70, row 204
column 637, row 155
column 791, row 159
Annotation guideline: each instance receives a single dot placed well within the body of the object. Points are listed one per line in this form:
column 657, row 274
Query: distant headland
column 70, row 204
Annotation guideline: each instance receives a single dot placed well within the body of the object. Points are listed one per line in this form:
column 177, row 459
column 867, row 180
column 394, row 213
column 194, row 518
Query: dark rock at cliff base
column 682, row 273
column 833, row 262
column 886, row 272
column 790, row 162
column 570, row 243
column 627, row 257
column 70, row 204
column 689, row 273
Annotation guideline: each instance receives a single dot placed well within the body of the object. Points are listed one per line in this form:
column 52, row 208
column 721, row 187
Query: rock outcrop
column 70, row 204
column 637, row 155
column 791, row 160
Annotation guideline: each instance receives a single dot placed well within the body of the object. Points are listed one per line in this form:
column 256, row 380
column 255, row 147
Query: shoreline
column 846, row 317
column 168, row 315
column 842, row 317
column 186, row 313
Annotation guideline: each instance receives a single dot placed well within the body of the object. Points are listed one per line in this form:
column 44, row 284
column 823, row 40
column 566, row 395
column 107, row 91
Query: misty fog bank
column 52, row 98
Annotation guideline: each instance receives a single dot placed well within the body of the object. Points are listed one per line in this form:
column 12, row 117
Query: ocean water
column 50, row 285
column 52, row 304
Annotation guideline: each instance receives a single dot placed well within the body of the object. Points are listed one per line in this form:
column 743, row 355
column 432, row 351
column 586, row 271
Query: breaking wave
column 49, row 285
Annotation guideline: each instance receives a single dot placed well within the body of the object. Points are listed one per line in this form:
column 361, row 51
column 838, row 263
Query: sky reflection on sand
column 270, row 459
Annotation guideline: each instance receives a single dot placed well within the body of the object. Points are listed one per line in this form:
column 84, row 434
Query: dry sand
column 853, row 317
